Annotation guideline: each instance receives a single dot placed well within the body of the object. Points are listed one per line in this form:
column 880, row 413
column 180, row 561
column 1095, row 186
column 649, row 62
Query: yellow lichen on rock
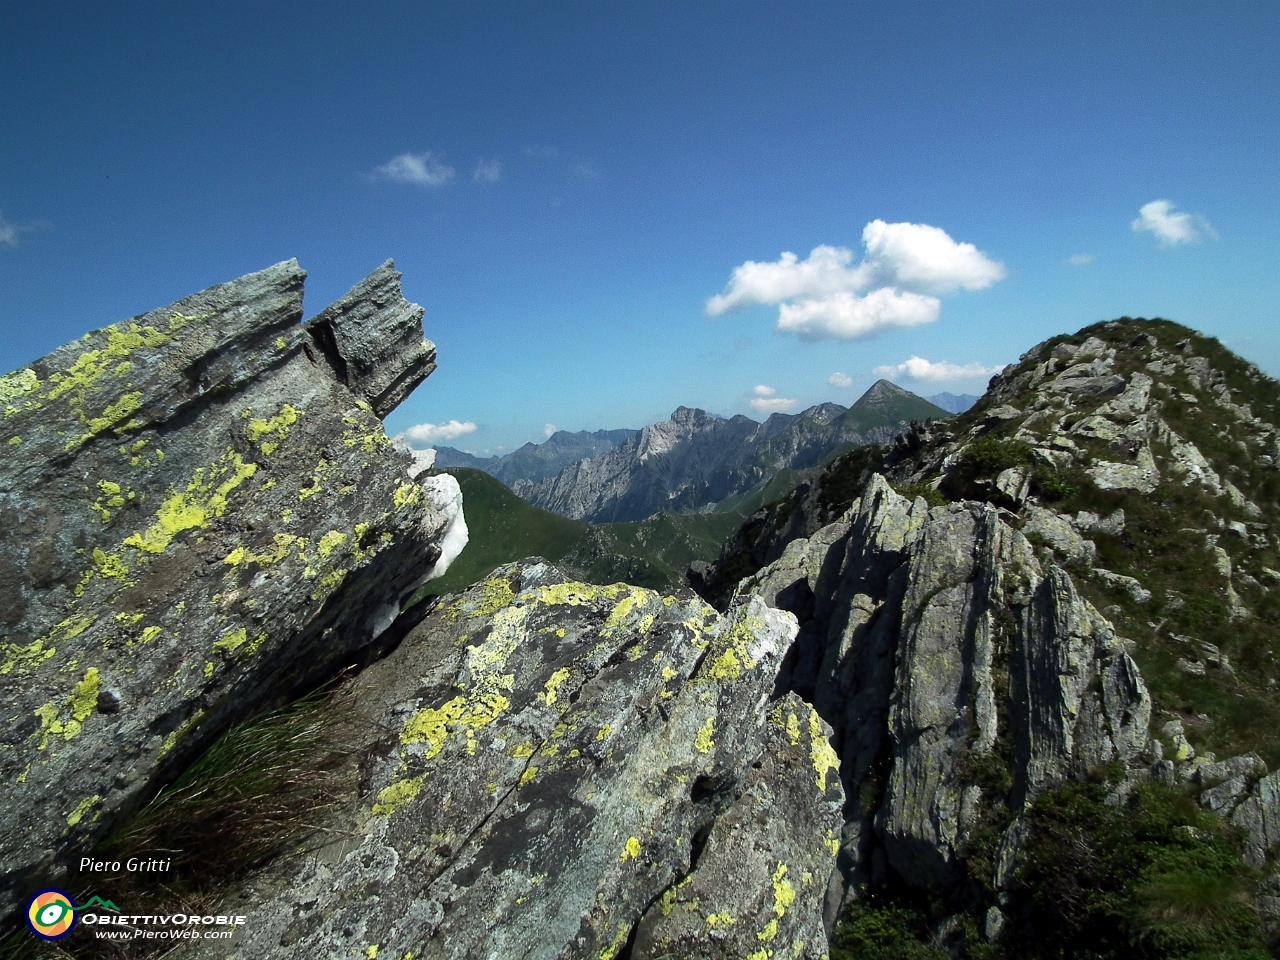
column 550, row 688
column 270, row 433
column 68, row 720
column 24, row 659
column 84, row 807
column 824, row 758
column 392, row 798
column 703, row 742
column 784, row 895
column 15, row 386
column 204, row 498
column 609, row 952
column 630, row 850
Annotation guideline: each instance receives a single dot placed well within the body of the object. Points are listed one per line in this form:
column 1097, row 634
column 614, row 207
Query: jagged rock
column 1058, row 533
column 199, row 513
column 1111, row 525
column 1190, row 464
column 1182, row 749
column 1222, row 797
column 1099, row 428
column 1141, row 475
column 373, row 339
column 560, row 770
column 1245, row 765
column 1002, row 412
column 1136, row 591
column 1093, row 379
column 916, row 610
column 1014, row 483
column 1259, row 817
column 1132, row 401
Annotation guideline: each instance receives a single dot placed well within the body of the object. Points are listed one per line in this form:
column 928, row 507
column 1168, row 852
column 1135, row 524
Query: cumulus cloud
column 845, row 316
column 1080, row 260
column 426, row 434
column 424, row 169
column 1171, row 226
column 904, row 265
column 773, row 404
column 919, row 368
column 760, row 390
column 838, row 379
column 487, row 171
column 548, row 430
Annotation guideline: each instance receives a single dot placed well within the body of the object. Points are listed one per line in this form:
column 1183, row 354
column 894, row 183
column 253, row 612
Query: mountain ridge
column 695, row 460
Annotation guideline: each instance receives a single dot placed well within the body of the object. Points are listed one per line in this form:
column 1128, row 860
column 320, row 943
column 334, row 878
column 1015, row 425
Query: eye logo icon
column 51, row 914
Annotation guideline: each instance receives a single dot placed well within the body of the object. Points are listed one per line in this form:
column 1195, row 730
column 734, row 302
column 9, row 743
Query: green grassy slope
column 502, row 528
column 654, row 552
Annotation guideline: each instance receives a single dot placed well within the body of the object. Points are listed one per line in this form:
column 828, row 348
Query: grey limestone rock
column 1259, row 817
column 935, row 624
column 562, row 770
column 1141, row 475
column 200, row 513
column 1058, row 533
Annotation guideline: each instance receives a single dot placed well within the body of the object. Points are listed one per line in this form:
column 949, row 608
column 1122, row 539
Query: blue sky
column 614, row 164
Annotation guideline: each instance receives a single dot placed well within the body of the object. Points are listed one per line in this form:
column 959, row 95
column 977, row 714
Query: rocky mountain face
column 1071, row 583
column 200, row 515
column 695, row 460
column 535, row 462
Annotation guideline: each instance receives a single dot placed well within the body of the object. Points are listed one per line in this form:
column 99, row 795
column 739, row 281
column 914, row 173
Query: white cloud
column 904, row 264
column 487, row 171
column 425, row 169
column 919, row 368
column 916, row 256
column 760, row 390
column 426, row 434
column 8, row 232
column 773, row 404
column 1080, row 260
column 840, row 380
column 1171, row 226
column 825, row 272
column 548, row 430
column 845, row 316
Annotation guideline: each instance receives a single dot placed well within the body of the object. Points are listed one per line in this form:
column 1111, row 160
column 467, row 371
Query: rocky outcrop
column 695, row 460
column 946, row 656
column 555, row 769
column 967, row 653
column 200, row 514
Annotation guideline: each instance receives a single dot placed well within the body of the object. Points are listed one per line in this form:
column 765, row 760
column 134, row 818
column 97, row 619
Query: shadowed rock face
column 199, row 513
column 556, row 769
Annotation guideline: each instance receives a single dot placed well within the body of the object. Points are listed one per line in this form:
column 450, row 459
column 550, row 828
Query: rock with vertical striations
column 200, row 513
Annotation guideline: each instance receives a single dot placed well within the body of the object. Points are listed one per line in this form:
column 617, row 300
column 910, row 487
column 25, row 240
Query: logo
column 51, row 914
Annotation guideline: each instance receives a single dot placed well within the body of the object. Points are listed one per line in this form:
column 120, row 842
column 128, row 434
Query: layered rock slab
column 199, row 513
column 556, row 769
